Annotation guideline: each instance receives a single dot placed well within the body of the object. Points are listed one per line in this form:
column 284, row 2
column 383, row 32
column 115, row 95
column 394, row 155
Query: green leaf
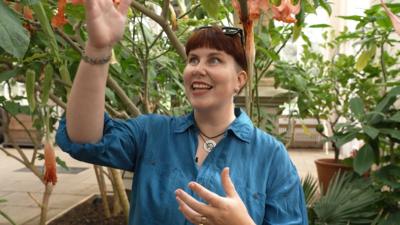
column 371, row 131
column 12, row 107
column 388, row 100
column 272, row 54
column 296, row 32
column 211, row 7
column 306, row 39
column 391, row 132
column 2, row 200
column 61, row 163
column 364, row 159
column 325, row 5
column 395, row 117
column 354, row 17
column 30, row 88
column 8, row 74
column 365, row 58
column 46, row 85
column 344, row 139
column 14, row 39
column 357, row 107
column 322, row 25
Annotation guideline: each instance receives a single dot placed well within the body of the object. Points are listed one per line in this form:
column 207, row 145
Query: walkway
column 73, row 188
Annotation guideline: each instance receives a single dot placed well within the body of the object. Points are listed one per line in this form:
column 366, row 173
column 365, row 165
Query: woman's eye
column 215, row 60
column 193, row 61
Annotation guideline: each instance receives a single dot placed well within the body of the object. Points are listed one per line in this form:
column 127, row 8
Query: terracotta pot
column 326, row 169
column 15, row 132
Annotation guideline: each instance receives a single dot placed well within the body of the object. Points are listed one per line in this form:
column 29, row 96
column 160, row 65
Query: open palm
column 105, row 22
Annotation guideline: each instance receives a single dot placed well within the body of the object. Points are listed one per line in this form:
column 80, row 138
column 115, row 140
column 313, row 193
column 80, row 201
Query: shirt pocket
column 253, row 198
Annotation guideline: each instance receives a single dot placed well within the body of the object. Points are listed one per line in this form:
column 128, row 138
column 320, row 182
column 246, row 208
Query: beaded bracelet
column 96, row 61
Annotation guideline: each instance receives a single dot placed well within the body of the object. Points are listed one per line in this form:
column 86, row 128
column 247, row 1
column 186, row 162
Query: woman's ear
column 242, row 80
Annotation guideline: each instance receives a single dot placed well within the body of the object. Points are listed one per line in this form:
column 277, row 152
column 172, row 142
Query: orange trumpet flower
column 395, row 20
column 254, row 7
column 59, row 19
column 50, row 173
column 285, row 10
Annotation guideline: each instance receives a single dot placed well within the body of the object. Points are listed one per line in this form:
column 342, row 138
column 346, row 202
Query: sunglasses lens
column 230, row 31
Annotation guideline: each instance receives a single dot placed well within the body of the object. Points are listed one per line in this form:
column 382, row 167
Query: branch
column 58, row 101
column 35, row 200
column 243, row 11
column 132, row 109
column 69, row 41
column 165, row 8
column 11, row 155
column 164, row 25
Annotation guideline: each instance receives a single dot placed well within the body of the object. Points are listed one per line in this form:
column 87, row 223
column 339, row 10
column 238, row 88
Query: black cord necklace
column 209, row 144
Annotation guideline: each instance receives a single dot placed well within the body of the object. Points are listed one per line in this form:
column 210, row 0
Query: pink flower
column 285, row 11
column 395, row 20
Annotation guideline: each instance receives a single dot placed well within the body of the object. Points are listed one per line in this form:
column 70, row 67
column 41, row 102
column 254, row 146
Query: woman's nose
column 199, row 69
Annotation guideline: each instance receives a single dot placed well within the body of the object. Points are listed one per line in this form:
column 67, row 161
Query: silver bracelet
column 96, row 61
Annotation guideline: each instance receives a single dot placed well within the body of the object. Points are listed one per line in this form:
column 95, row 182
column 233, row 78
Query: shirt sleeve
column 118, row 148
column 285, row 202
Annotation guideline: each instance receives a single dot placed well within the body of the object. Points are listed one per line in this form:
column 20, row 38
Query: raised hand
column 105, row 22
column 220, row 210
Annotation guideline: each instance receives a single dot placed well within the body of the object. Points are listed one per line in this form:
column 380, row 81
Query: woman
column 178, row 161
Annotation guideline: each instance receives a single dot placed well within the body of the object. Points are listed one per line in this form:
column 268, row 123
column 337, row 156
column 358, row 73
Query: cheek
column 186, row 76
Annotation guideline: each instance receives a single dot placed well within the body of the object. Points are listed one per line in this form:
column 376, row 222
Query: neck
column 212, row 123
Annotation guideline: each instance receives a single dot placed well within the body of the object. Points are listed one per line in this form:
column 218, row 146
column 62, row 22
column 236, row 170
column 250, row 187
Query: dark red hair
column 214, row 37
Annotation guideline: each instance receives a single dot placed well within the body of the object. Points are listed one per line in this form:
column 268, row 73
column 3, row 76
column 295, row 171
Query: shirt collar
column 241, row 127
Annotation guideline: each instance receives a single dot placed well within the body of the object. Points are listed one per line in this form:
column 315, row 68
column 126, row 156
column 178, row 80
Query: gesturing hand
column 105, row 22
column 220, row 210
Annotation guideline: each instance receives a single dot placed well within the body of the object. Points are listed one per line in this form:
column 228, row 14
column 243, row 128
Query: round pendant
column 209, row 145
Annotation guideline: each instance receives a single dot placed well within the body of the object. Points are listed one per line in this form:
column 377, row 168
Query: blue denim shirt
column 161, row 150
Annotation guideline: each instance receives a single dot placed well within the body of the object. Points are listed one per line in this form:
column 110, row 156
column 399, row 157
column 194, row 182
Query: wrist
column 96, row 56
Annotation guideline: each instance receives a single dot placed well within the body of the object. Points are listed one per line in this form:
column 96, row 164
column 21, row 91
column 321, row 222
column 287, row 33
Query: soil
column 89, row 213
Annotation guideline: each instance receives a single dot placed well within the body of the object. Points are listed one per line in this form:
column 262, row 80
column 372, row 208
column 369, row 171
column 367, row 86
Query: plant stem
column 7, row 218
column 45, row 203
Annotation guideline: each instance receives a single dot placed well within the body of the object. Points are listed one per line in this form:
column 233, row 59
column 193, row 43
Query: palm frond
column 346, row 203
column 310, row 189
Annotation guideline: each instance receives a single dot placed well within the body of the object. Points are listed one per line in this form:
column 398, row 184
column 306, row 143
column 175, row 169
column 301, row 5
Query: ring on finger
column 203, row 220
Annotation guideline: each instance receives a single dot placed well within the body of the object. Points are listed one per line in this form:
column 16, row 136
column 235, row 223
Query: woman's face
column 211, row 78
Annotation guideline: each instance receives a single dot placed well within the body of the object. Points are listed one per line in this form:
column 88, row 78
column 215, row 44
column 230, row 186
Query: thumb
column 227, row 183
column 124, row 6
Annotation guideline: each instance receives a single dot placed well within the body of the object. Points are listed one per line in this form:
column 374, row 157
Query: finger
column 188, row 212
column 197, row 206
column 227, row 183
column 209, row 196
column 124, row 6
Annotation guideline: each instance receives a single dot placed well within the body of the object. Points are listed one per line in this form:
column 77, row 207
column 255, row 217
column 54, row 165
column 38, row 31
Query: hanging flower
column 50, row 173
column 285, row 11
column 395, row 20
column 59, row 19
column 254, row 7
column 27, row 12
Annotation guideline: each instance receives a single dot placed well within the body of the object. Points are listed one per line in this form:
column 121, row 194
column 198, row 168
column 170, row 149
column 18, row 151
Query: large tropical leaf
column 14, row 39
column 346, row 202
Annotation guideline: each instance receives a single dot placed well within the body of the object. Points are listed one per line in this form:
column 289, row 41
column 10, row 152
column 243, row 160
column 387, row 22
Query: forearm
column 85, row 107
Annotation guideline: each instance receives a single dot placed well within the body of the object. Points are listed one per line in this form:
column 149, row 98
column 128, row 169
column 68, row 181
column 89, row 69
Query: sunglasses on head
column 229, row 31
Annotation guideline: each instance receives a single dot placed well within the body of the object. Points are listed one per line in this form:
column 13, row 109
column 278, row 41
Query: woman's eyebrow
column 215, row 54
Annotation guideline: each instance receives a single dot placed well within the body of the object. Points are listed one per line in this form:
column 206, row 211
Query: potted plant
column 379, row 129
column 324, row 86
